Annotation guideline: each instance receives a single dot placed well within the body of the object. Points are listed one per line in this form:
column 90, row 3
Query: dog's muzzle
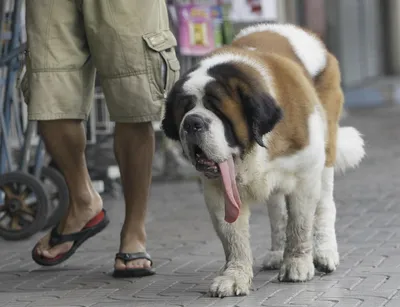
column 194, row 124
column 194, row 127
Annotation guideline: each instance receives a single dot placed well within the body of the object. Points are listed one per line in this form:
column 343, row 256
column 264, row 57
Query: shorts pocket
column 162, row 65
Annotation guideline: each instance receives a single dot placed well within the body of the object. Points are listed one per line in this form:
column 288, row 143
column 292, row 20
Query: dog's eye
column 188, row 104
column 211, row 102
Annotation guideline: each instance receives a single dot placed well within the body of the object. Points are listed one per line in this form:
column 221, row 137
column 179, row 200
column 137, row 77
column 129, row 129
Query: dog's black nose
column 194, row 123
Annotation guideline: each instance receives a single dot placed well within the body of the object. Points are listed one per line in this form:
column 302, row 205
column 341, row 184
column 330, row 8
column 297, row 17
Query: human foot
column 72, row 231
column 133, row 260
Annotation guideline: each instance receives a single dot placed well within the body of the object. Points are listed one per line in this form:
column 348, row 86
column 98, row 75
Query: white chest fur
column 258, row 176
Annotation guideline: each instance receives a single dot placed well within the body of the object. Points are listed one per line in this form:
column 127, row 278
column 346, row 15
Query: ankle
column 85, row 200
column 132, row 246
column 84, row 209
column 133, row 236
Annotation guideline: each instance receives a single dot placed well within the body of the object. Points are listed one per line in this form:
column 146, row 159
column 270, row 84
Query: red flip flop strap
column 57, row 238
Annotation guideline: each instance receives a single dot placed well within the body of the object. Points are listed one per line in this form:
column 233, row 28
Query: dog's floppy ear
column 261, row 112
column 168, row 122
column 176, row 104
column 259, row 108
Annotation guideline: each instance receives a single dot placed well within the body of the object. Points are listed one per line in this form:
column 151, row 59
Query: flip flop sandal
column 133, row 272
column 93, row 227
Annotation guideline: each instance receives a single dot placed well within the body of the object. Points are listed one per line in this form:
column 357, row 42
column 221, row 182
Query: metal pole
column 10, row 83
column 26, row 148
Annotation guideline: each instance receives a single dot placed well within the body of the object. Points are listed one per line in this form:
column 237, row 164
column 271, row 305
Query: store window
column 352, row 30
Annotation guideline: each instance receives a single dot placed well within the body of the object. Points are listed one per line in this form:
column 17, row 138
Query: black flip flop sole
column 92, row 231
column 133, row 272
column 127, row 273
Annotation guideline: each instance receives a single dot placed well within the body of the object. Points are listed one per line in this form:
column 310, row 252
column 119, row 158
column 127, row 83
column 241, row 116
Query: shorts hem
column 40, row 117
column 136, row 119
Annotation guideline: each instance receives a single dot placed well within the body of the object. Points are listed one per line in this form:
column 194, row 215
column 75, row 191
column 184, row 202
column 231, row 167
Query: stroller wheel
column 23, row 205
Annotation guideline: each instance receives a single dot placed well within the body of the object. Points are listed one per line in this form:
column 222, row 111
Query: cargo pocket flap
column 174, row 64
column 161, row 60
column 160, row 41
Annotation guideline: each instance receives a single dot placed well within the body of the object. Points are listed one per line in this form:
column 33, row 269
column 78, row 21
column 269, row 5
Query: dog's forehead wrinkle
column 197, row 81
column 229, row 57
column 200, row 77
column 201, row 110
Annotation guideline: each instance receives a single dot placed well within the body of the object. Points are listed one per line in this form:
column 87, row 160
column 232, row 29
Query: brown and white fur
column 271, row 100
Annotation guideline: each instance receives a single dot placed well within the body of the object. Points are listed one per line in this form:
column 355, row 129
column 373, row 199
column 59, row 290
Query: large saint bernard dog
column 259, row 120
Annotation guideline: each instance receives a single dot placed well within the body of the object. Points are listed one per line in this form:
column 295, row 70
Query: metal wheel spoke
column 24, row 217
column 2, row 217
column 28, row 210
column 8, row 191
column 25, row 194
column 31, row 200
column 14, row 188
column 14, row 223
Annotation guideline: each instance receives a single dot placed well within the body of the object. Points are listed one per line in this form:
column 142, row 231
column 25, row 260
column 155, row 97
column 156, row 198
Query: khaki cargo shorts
column 127, row 42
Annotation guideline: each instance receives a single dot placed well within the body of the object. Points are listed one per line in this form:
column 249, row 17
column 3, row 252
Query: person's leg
column 136, row 61
column 61, row 79
column 65, row 142
column 134, row 148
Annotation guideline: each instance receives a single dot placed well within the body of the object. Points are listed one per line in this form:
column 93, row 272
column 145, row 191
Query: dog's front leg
column 297, row 263
column 237, row 274
column 278, row 220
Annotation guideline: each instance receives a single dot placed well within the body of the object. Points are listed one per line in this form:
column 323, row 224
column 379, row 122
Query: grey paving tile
column 187, row 253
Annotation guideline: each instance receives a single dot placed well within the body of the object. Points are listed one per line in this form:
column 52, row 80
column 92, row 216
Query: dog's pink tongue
column 232, row 199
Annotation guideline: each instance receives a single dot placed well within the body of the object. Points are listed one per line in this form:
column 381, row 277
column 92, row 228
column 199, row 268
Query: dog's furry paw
column 273, row 260
column 237, row 284
column 297, row 269
column 326, row 260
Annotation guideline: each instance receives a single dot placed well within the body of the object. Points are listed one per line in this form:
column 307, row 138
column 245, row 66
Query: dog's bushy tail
column 349, row 149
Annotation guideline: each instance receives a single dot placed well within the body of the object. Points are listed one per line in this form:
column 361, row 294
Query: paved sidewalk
column 187, row 252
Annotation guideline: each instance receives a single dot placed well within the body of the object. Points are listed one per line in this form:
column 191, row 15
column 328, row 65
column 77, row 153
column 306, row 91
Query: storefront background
column 353, row 31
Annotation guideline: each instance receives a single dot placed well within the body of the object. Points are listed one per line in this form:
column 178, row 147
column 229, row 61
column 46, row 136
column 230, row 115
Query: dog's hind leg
column 278, row 220
column 236, row 277
column 326, row 256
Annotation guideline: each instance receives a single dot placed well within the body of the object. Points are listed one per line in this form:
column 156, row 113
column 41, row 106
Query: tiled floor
column 187, row 252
